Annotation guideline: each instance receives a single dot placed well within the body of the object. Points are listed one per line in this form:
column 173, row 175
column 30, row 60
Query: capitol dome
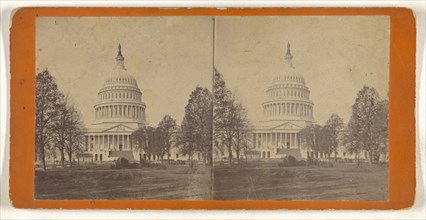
column 120, row 98
column 288, row 96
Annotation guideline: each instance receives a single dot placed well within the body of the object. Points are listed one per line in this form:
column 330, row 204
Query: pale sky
column 336, row 55
column 170, row 56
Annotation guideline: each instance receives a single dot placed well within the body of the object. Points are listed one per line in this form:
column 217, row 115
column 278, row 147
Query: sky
column 336, row 55
column 170, row 56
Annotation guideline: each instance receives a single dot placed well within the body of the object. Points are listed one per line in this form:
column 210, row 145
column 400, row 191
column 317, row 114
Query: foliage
column 289, row 161
column 230, row 120
column 166, row 129
column 48, row 98
column 333, row 125
column 381, row 125
column 311, row 135
column 241, row 135
column 368, row 128
column 196, row 128
column 68, row 131
column 123, row 163
column 148, row 140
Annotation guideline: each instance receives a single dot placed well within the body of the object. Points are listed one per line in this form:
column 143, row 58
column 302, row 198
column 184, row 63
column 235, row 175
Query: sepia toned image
column 222, row 108
column 301, row 108
column 119, row 101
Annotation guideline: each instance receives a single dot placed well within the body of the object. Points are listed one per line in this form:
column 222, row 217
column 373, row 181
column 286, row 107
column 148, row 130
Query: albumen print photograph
column 212, row 108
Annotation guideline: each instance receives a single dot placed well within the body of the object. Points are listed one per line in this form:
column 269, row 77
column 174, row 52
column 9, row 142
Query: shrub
column 123, row 163
column 288, row 161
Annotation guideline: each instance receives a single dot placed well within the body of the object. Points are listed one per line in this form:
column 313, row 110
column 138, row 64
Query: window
column 344, row 154
column 177, row 156
column 96, row 157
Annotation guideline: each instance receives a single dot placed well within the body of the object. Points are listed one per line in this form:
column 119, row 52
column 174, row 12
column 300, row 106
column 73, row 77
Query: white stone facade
column 286, row 111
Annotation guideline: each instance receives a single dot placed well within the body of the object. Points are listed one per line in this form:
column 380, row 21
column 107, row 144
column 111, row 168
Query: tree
column 325, row 141
column 381, row 125
column 48, row 98
column 225, row 112
column 334, row 124
column 362, row 130
column 312, row 137
column 75, row 133
column 241, row 135
column 166, row 128
column 147, row 140
column 61, row 129
column 350, row 140
column 196, row 128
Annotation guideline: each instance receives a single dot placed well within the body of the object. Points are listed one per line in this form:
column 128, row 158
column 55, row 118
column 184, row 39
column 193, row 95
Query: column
column 108, row 142
column 139, row 112
column 298, row 140
column 298, row 109
column 270, row 140
column 287, row 112
column 128, row 145
column 285, row 143
column 275, row 109
column 275, row 139
column 113, row 142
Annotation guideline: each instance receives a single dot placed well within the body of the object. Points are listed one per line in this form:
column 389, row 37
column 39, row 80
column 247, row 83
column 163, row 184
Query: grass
column 103, row 183
column 267, row 181
column 252, row 181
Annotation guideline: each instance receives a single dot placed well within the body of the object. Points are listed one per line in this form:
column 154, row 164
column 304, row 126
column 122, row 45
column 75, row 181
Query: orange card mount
column 25, row 172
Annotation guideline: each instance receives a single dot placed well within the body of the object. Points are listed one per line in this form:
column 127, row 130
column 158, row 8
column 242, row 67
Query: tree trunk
column 230, row 156
column 190, row 161
column 238, row 156
column 62, row 158
column 43, row 159
column 230, row 152
column 70, row 158
column 335, row 156
column 357, row 158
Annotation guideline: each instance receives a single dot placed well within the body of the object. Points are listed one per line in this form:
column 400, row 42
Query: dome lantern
column 288, row 56
column 120, row 58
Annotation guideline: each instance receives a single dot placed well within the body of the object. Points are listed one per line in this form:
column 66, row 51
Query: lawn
column 103, row 183
column 253, row 181
column 267, row 181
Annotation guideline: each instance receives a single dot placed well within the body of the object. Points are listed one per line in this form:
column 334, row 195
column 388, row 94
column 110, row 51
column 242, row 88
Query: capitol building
column 286, row 110
column 119, row 112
